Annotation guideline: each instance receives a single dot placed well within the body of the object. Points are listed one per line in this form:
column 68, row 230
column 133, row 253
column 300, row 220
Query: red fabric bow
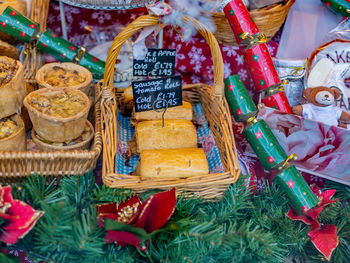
column 324, row 237
column 134, row 220
column 20, row 217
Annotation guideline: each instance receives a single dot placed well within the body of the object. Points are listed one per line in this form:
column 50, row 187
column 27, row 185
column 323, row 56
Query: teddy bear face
column 321, row 96
column 324, row 98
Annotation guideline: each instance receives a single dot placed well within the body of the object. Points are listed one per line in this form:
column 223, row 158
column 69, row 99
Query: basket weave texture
column 215, row 108
column 15, row 166
column 269, row 20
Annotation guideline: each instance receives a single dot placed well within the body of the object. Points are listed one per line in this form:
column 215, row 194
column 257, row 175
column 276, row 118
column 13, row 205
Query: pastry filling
column 8, row 70
column 61, row 77
column 58, row 104
column 83, row 137
column 7, row 127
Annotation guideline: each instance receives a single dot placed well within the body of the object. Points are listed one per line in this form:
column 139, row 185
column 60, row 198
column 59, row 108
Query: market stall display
column 170, row 163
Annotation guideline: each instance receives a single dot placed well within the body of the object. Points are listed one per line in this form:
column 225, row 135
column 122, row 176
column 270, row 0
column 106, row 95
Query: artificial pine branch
column 241, row 227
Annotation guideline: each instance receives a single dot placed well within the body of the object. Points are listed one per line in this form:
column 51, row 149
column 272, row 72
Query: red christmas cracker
column 239, row 19
column 278, row 101
column 260, row 66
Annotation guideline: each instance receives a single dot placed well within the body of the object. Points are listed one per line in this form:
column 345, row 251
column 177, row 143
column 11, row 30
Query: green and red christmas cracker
column 57, row 47
column 96, row 66
column 239, row 99
column 296, row 189
column 264, row 144
column 266, row 147
column 18, row 26
column 26, row 30
column 341, row 7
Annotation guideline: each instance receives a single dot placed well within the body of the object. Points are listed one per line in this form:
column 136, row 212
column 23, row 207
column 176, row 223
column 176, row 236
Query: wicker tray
column 215, row 108
column 269, row 20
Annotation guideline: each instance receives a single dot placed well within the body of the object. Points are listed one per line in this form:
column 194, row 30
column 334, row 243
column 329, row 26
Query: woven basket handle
column 149, row 20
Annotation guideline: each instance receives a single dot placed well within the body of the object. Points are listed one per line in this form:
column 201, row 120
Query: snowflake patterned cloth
column 204, row 136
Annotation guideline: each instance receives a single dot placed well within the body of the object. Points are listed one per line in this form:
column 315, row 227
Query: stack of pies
column 12, row 93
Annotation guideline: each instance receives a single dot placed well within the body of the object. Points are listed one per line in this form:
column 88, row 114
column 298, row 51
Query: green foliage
column 241, row 227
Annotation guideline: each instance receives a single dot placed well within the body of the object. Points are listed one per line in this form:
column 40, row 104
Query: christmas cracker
column 266, row 147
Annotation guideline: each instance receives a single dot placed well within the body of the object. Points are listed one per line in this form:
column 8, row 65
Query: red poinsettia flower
column 20, row 217
column 132, row 221
column 324, row 237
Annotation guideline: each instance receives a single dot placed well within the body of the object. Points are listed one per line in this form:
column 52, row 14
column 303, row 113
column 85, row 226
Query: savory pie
column 80, row 143
column 12, row 86
column 12, row 134
column 58, row 114
column 59, row 75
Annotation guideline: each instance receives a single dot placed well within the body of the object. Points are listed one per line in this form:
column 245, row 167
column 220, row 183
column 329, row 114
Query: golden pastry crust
column 58, row 104
column 12, row 86
column 183, row 112
column 175, row 134
column 12, row 134
column 80, row 143
column 172, row 163
column 58, row 114
column 8, row 50
column 60, row 75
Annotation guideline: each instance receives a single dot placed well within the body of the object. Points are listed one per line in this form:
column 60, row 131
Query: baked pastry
column 58, row 114
column 183, row 112
column 12, row 134
column 80, row 143
column 172, row 163
column 59, row 75
column 175, row 134
column 8, row 50
column 12, row 86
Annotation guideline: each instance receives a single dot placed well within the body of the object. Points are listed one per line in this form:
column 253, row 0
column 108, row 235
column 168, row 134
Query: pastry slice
column 172, row 163
column 174, row 134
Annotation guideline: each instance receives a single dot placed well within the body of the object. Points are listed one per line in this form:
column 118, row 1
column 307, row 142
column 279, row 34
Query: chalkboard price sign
column 157, row 63
column 157, row 94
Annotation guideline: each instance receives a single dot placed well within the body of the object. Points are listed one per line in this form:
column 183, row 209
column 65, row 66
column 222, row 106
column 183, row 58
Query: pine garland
column 241, row 227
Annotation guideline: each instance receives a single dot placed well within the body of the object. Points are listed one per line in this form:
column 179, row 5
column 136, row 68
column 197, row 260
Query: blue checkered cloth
column 125, row 133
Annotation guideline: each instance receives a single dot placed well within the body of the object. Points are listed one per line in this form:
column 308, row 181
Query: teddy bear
column 321, row 106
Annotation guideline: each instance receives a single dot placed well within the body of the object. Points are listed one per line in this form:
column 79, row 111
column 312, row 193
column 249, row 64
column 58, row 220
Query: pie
column 80, row 143
column 12, row 134
column 12, row 86
column 59, row 75
column 58, row 114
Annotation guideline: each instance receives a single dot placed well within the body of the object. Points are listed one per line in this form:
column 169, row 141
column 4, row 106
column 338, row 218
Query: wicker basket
column 215, row 108
column 16, row 165
column 269, row 20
